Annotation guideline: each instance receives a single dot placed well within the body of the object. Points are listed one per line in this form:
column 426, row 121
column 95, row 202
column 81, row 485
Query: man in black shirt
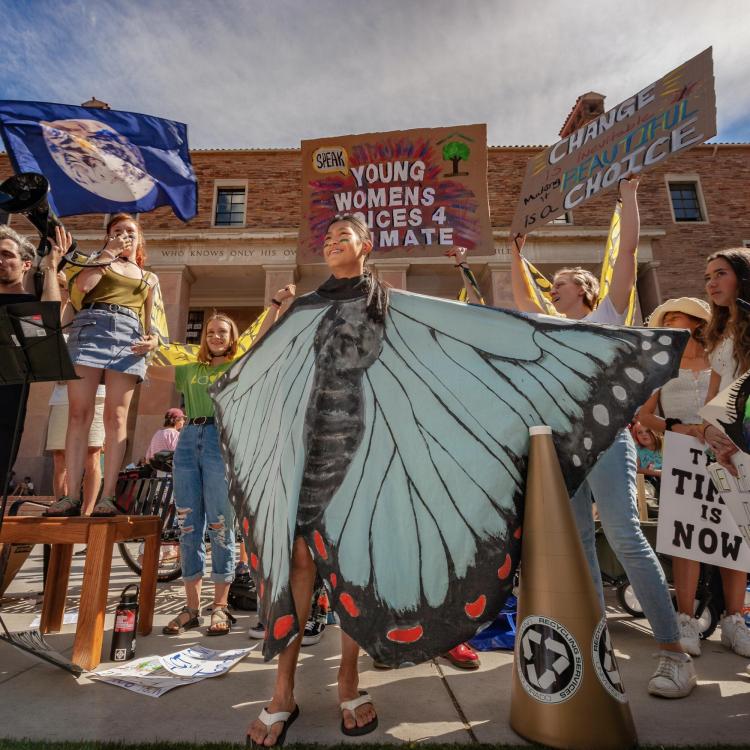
column 16, row 259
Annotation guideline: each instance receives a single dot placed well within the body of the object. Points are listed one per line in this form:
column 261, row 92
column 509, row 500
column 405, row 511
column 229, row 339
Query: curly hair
column 26, row 250
column 140, row 248
column 722, row 324
column 586, row 280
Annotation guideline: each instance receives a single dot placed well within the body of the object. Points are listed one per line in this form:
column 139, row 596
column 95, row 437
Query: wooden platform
column 99, row 535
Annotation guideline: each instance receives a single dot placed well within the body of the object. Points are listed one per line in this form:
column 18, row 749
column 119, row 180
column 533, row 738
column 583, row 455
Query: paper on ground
column 155, row 675
column 69, row 618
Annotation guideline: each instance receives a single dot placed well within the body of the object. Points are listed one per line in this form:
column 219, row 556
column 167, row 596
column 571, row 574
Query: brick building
column 240, row 248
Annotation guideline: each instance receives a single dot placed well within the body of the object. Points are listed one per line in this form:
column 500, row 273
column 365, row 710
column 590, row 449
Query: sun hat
column 688, row 305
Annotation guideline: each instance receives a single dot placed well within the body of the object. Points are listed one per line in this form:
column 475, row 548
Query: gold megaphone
column 26, row 194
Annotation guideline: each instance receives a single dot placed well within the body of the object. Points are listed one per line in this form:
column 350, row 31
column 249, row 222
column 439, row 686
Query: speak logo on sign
column 331, row 159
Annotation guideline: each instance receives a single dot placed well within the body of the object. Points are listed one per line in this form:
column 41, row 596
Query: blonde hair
column 204, row 353
column 586, row 280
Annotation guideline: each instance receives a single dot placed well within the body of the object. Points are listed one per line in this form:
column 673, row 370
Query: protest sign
column 674, row 113
column 694, row 522
column 420, row 191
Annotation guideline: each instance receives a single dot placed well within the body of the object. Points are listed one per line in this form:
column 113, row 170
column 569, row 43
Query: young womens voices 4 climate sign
column 420, row 191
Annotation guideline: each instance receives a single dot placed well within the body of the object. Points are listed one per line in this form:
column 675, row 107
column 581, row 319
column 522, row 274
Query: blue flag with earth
column 100, row 160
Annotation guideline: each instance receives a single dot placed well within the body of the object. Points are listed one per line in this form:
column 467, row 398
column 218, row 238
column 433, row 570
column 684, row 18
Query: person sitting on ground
column 648, row 447
column 165, row 439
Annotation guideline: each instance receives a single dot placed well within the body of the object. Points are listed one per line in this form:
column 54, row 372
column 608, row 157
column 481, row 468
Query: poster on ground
column 694, row 521
column 669, row 116
column 420, row 191
column 155, row 675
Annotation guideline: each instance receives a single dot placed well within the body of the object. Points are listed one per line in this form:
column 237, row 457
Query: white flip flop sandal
column 352, row 705
column 288, row 717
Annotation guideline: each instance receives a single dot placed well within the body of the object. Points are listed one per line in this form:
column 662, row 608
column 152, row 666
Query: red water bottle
column 126, row 624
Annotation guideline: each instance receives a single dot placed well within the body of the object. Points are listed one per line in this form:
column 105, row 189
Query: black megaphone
column 26, row 194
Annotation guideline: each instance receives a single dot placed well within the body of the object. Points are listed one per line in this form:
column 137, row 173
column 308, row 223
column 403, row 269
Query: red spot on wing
column 348, row 604
column 334, row 580
column 254, row 561
column 504, row 570
column 282, row 626
column 517, row 533
column 320, row 544
column 476, row 608
column 405, row 635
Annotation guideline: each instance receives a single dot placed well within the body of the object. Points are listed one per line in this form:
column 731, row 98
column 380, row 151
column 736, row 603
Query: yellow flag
column 608, row 264
column 539, row 288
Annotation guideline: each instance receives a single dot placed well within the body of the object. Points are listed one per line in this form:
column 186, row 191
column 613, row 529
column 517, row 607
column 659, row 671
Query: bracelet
column 462, row 264
column 274, row 301
column 672, row 422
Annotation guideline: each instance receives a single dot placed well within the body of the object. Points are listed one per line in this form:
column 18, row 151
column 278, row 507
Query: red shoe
column 463, row 656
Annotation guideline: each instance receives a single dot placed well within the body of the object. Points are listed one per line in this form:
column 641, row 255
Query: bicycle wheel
column 628, row 600
column 170, row 567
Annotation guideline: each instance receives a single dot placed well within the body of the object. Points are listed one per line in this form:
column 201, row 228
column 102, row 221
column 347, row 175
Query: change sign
column 659, row 121
column 419, row 191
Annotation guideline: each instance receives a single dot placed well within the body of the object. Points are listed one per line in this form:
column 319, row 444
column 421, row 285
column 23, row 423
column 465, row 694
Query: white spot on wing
column 601, row 414
column 635, row 375
column 661, row 358
column 620, row 392
column 587, row 443
column 665, row 340
column 646, row 345
column 576, row 460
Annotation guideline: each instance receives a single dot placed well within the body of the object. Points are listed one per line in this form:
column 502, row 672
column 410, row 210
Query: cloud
column 270, row 73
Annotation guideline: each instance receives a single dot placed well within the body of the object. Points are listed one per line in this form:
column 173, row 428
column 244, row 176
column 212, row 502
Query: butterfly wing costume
column 398, row 451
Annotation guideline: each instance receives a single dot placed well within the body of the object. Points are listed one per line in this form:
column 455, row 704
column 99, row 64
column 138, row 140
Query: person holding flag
column 575, row 294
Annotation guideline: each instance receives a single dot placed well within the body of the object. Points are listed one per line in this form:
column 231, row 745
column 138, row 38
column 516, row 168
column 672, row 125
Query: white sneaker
column 257, row 632
column 690, row 638
column 735, row 634
column 674, row 676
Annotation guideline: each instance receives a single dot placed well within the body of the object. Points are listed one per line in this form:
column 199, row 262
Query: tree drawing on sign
column 456, row 152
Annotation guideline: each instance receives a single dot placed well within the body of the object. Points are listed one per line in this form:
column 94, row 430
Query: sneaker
column 735, row 634
column 690, row 638
column 66, row 506
column 674, row 677
column 258, row 632
column 105, row 507
column 313, row 632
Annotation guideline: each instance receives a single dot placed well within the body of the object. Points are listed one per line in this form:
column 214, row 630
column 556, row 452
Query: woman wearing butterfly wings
column 381, row 438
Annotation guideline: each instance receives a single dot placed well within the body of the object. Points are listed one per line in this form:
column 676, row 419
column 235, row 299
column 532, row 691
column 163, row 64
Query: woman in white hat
column 679, row 401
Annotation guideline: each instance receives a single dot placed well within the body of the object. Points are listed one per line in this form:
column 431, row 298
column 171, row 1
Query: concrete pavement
column 432, row 702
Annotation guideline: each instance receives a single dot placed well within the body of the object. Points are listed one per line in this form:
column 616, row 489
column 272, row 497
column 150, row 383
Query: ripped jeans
column 202, row 499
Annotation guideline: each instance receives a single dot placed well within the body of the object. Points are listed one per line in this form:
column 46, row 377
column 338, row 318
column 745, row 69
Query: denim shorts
column 102, row 339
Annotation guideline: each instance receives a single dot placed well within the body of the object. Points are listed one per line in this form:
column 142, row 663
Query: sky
column 269, row 73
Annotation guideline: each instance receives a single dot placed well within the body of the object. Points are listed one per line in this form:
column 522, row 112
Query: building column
column 154, row 397
column 649, row 293
column 277, row 277
column 393, row 274
column 501, row 289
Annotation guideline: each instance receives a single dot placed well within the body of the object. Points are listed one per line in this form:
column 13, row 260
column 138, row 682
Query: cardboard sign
column 420, row 191
column 665, row 118
column 694, row 521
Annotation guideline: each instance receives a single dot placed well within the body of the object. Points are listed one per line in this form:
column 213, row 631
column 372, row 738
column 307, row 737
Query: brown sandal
column 221, row 621
column 181, row 623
